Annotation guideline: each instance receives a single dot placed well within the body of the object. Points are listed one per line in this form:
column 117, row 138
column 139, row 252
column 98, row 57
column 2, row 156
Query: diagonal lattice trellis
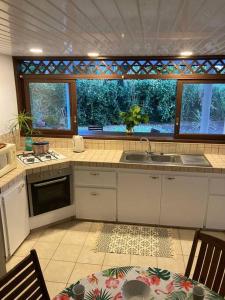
column 123, row 66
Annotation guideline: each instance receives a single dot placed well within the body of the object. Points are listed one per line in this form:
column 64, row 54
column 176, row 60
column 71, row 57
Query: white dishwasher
column 15, row 216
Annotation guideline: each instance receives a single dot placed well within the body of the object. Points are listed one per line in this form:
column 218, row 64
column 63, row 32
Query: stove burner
column 30, row 158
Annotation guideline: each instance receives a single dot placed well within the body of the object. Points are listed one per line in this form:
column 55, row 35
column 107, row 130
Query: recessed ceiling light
column 36, row 50
column 93, row 54
column 186, row 53
column 122, row 35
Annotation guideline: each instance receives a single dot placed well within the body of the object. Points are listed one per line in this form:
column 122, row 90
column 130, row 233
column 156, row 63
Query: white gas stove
column 29, row 158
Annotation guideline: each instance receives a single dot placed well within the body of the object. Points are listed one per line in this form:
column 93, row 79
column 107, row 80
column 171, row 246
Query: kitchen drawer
column 217, row 186
column 95, row 178
column 96, row 204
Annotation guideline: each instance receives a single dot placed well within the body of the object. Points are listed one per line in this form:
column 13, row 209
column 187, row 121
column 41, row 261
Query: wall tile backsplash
column 165, row 147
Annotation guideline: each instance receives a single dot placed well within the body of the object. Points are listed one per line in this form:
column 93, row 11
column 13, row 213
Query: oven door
column 49, row 195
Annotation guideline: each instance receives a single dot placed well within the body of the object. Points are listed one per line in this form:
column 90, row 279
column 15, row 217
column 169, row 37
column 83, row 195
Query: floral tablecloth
column 106, row 285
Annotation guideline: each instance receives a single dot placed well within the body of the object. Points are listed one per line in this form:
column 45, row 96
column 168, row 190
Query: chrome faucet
column 148, row 141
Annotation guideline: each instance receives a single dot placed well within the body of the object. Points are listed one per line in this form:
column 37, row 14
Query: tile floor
column 66, row 253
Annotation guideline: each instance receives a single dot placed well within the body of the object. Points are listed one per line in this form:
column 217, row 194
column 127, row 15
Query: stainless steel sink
column 140, row 157
column 150, row 158
column 166, row 158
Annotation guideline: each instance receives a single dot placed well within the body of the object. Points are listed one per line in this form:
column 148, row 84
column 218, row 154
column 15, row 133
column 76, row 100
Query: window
column 50, row 106
column 202, row 108
column 183, row 97
column 99, row 103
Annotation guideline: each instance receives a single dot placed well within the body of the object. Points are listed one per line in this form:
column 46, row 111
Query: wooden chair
column 25, row 281
column 210, row 265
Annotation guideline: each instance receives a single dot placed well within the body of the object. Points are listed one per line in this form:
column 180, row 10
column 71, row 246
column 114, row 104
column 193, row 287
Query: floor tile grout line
column 75, row 263
column 84, row 244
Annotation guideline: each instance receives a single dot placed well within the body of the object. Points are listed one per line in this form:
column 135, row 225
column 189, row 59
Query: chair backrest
column 210, row 265
column 24, row 281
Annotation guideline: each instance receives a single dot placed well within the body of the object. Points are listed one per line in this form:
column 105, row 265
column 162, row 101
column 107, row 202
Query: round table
column 106, row 285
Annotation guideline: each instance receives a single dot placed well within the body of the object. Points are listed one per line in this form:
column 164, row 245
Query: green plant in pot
column 133, row 118
column 23, row 123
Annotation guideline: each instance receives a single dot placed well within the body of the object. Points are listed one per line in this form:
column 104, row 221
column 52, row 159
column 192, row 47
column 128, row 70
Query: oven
column 48, row 191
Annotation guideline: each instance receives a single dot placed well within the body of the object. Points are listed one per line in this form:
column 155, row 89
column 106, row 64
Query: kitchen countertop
column 104, row 158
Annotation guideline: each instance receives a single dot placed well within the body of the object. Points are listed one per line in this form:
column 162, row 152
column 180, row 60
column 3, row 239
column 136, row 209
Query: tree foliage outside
column 49, row 105
column 192, row 105
column 100, row 102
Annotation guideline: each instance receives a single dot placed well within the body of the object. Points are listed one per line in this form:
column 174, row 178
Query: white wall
column 8, row 101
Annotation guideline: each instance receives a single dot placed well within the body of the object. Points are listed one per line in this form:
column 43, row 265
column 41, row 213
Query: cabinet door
column 96, row 204
column 16, row 218
column 216, row 212
column 183, row 201
column 139, row 198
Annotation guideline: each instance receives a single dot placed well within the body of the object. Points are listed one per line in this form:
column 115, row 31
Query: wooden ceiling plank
column 49, row 16
column 218, row 28
column 82, row 12
column 75, row 22
column 19, row 34
column 158, row 16
column 29, row 27
column 140, row 20
column 104, row 18
column 41, row 21
column 123, row 20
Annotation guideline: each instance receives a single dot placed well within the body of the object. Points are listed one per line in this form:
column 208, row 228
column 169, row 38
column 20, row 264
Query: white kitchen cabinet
column 216, row 212
column 95, row 194
column 139, row 198
column 15, row 216
column 217, row 186
column 95, row 203
column 215, row 218
column 183, row 201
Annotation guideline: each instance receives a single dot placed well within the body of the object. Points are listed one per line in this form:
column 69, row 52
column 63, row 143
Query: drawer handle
column 94, row 174
column 154, row 177
column 94, row 194
column 170, row 178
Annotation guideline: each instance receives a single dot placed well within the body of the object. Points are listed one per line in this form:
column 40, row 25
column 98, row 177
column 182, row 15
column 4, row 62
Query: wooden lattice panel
column 122, row 66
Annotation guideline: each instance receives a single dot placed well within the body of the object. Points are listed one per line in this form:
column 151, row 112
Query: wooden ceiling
column 112, row 27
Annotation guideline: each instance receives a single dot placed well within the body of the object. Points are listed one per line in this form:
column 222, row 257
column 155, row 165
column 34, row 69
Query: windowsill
column 98, row 135
column 136, row 137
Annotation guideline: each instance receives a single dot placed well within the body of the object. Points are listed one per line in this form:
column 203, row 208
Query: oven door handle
column 50, row 182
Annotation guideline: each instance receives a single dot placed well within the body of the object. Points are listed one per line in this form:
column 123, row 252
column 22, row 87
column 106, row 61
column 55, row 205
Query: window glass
column 99, row 103
column 50, row 105
column 203, row 108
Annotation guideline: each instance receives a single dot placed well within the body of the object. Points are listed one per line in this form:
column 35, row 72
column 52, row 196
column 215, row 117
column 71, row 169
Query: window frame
column 72, row 100
column 70, row 77
column 194, row 136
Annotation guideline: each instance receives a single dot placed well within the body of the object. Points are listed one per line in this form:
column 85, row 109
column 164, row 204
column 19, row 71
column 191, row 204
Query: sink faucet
column 149, row 143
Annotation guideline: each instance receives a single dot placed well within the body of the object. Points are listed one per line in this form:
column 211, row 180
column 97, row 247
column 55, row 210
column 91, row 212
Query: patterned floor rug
column 132, row 239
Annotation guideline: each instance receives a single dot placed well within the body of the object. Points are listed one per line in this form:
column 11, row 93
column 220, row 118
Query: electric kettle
column 78, row 143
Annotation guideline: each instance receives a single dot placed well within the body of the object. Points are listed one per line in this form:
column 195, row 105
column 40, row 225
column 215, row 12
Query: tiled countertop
column 104, row 158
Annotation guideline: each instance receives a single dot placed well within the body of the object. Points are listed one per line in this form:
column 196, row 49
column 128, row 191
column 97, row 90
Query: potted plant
column 23, row 122
column 133, row 118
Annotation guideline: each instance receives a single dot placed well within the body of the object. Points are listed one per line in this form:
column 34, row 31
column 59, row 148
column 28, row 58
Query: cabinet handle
column 94, row 174
column 94, row 194
column 154, row 177
column 170, row 178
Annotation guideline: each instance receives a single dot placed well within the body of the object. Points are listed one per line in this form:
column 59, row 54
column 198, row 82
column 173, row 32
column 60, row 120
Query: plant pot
column 130, row 130
column 28, row 143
